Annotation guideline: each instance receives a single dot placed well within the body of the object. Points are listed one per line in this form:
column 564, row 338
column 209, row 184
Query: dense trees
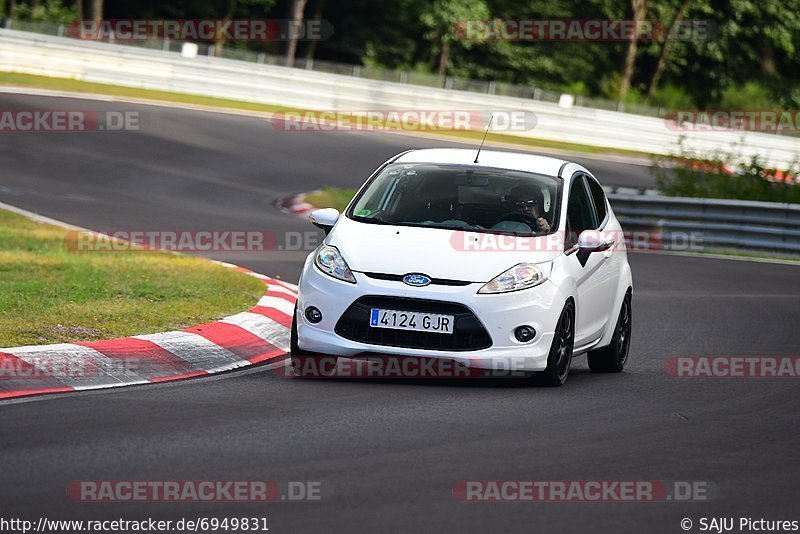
column 748, row 59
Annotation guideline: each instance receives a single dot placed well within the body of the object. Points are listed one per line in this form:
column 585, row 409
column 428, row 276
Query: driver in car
column 528, row 199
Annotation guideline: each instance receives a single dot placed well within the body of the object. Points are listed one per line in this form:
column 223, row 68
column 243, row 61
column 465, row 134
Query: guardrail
column 707, row 224
column 370, row 72
column 46, row 55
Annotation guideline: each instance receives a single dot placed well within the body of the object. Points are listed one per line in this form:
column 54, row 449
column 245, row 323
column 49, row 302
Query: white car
column 498, row 260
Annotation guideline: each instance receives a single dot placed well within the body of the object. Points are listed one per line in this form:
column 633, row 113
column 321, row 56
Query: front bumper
column 500, row 314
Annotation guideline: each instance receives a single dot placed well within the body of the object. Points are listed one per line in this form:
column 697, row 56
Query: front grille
column 434, row 281
column 468, row 332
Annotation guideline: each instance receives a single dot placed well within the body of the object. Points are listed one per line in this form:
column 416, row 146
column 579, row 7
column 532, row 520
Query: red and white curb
column 258, row 335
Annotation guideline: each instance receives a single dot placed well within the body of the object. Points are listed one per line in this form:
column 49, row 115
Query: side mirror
column 324, row 218
column 594, row 241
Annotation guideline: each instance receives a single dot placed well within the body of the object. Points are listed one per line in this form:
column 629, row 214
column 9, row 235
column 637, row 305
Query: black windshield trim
column 560, row 190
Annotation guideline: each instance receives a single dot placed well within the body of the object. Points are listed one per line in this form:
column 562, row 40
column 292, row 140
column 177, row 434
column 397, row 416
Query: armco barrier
column 129, row 66
column 711, row 223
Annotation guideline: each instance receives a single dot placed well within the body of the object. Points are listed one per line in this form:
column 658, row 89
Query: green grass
column 330, row 197
column 77, row 86
column 66, row 84
column 49, row 294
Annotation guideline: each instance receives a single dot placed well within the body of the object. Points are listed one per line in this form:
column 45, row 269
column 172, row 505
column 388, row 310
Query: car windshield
column 460, row 197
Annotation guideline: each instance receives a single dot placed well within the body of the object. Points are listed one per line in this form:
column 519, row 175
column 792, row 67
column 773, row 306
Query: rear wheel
column 560, row 357
column 612, row 359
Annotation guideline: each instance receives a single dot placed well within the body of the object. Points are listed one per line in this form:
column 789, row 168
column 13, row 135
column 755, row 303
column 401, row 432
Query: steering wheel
column 522, row 217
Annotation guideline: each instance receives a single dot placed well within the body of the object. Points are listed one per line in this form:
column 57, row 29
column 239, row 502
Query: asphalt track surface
column 389, row 453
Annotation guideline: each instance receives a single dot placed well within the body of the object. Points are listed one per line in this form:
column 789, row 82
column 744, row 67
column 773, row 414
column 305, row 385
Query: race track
column 389, row 453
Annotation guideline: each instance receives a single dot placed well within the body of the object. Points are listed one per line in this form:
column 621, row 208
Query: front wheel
column 560, row 357
column 308, row 364
column 611, row 359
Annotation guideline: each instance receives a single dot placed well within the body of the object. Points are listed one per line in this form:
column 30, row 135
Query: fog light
column 524, row 333
column 313, row 314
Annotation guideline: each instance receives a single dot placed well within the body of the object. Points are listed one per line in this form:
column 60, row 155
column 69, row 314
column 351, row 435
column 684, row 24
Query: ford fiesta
column 498, row 260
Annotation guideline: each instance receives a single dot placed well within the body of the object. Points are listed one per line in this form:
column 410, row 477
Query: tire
column 612, row 359
column 304, row 361
column 560, row 357
column 294, row 348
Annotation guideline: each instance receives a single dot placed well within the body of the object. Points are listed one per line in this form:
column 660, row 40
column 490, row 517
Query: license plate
column 417, row 321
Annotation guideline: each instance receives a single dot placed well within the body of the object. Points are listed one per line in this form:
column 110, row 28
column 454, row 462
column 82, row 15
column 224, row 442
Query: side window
column 599, row 197
column 580, row 213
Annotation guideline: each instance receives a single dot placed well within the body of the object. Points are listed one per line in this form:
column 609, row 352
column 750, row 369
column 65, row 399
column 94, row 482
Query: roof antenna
column 484, row 138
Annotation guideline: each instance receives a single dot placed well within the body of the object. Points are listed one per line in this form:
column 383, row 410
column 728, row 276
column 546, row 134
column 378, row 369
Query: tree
column 669, row 37
column 97, row 10
column 443, row 21
column 639, row 10
column 312, row 45
column 298, row 10
column 230, row 11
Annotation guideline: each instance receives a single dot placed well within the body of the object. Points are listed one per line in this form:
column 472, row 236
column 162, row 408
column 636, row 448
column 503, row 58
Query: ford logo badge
column 416, row 280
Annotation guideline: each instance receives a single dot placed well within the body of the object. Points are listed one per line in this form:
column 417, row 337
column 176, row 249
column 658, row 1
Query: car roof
column 489, row 158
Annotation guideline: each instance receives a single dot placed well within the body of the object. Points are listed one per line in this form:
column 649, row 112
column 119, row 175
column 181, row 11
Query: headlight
column 518, row 277
column 332, row 263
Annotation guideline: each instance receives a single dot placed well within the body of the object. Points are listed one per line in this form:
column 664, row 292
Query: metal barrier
column 130, row 66
column 707, row 224
column 370, row 72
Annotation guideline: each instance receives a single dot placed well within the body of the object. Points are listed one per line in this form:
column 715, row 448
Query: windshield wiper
column 375, row 220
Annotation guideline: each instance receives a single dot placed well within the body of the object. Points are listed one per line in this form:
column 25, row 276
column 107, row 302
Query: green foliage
column 577, row 88
column 671, row 96
column 331, row 197
column 443, row 18
column 50, row 11
column 752, row 95
column 725, row 175
column 750, row 58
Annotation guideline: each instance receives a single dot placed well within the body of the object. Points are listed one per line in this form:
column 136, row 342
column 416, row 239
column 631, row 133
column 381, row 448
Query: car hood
column 438, row 253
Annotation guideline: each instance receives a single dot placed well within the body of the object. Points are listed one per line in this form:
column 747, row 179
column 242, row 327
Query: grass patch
column 49, row 294
column 66, row 84
column 331, row 197
column 78, row 86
